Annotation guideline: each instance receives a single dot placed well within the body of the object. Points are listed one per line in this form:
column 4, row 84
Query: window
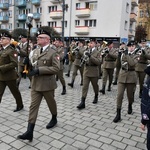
column 10, row 13
column 39, row 10
column 141, row 13
column 52, row 8
column 91, row 5
column 90, row 23
column 77, row 5
column 65, row 24
column 52, row 24
column 77, row 22
column 125, row 25
column 127, row 7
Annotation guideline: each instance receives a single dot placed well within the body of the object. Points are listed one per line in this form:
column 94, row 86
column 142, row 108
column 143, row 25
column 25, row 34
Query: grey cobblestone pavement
column 88, row 129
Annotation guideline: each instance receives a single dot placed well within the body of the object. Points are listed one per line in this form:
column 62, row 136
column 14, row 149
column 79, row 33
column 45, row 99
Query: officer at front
column 46, row 64
column 127, row 79
column 8, row 73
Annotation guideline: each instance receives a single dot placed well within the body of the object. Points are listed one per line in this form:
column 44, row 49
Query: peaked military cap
column 23, row 36
column 143, row 40
column 109, row 42
column 42, row 31
column 131, row 43
column 5, row 34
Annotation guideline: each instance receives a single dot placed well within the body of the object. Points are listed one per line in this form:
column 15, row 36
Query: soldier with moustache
column 144, row 56
column 109, row 58
column 60, row 50
column 127, row 79
column 8, row 73
column 46, row 64
column 90, row 73
column 78, row 52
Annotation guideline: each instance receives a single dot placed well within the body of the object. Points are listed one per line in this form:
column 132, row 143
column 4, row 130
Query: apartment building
column 101, row 19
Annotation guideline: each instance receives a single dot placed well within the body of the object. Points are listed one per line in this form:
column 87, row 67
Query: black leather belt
column 109, row 60
column 142, row 63
column 90, row 65
column 128, row 69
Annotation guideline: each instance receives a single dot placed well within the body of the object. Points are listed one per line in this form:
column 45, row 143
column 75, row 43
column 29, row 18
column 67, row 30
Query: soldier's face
column 4, row 41
column 43, row 39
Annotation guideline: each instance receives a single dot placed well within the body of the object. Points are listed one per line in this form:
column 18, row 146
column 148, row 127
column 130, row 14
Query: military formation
column 43, row 63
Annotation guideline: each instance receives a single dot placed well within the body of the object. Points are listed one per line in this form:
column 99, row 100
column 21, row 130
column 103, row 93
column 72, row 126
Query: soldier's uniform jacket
column 127, row 73
column 91, row 67
column 145, row 103
column 8, row 63
column 48, row 64
column 60, row 51
column 109, row 59
column 78, row 56
column 142, row 61
column 22, row 54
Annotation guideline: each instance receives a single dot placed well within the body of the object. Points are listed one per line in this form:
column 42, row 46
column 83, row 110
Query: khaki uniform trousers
column 61, row 77
column 14, row 90
column 75, row 70
column 86, row 82
column 141, row 76
column 130, row 88
column 36, row 98
column 107, row 73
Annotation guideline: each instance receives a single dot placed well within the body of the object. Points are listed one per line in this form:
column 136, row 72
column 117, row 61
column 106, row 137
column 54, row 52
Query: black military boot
column 28, row 135
column 130, row 109
column 118, row 116
column 95, row 99
column 82, row 104
column 115, row 81
column 56, row 77
column 52, row 123
column 109, row 87
column 64, row 90
column 18, row 108
column 102, row 90
column 68, row 74
column 71, row 84
column 140, row 94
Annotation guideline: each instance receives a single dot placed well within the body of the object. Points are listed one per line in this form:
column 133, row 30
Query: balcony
column 56, row 14
column 36, row 16
column 22, row 17
column 56, row 1
column 4, row 18
column 83, row 12
column 133, row 17
column 36, row 2
column 82, row 30
column 4, row 6
column 21, row 3
column 134, row 3
column 131, row 33
column 58, row 29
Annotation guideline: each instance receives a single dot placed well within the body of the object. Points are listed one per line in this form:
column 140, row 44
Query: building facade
column 102, row 19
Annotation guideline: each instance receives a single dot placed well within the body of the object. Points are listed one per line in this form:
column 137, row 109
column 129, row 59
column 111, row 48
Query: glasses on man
column 3, row 38
column 40, row 37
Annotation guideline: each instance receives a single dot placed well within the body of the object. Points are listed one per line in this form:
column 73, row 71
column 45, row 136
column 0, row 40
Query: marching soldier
column 46, row 64
column 71, row 57
column 127, row 78
column 142, row 64
column 109, row 58
column 118, row 65
column 78, row 52
column 90, row 73
column 8, row 74
column 22, row 54
column 60, row 51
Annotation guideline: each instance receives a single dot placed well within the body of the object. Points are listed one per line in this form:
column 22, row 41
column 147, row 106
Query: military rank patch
column 15, row 55
column 145, row 117
column 58, row 58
